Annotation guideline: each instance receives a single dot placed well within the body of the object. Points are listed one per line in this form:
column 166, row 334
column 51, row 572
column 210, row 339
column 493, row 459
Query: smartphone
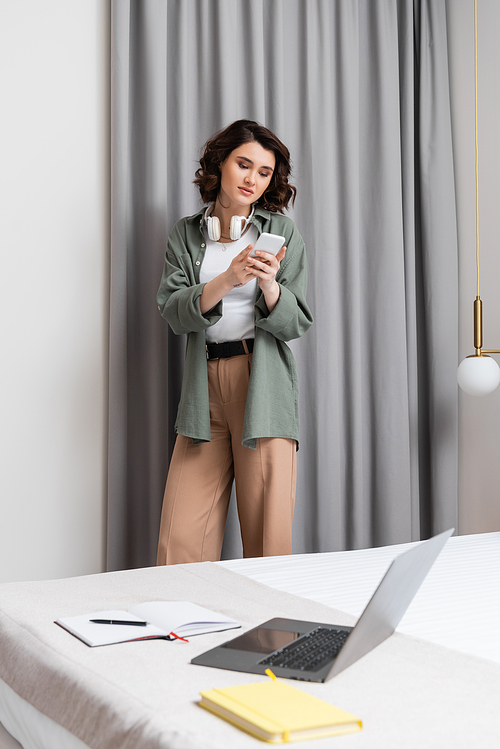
column 268, row 243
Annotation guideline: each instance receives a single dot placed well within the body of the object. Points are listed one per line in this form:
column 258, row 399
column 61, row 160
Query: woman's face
column 245, row 175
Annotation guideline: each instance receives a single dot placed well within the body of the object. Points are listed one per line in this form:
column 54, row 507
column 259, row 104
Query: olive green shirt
column 272, row 400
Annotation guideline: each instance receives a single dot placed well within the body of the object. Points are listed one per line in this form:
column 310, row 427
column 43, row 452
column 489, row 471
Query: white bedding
column 460, row 596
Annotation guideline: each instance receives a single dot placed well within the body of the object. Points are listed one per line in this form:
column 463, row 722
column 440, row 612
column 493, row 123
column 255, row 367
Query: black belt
column 231, row 348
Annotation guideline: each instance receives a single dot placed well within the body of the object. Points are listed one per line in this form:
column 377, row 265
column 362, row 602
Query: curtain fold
column 358, row 90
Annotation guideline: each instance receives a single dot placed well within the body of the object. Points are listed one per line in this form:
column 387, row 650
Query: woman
column 238, row 412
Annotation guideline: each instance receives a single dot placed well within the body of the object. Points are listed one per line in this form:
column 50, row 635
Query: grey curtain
column 358, row 90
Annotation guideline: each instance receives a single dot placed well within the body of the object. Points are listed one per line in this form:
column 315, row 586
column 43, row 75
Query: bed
column 437, row 680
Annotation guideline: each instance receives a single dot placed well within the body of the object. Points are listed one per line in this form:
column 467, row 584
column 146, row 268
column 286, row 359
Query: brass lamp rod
column 478, row 330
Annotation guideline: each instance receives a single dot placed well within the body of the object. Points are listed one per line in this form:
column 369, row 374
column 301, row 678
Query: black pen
column 118, row 621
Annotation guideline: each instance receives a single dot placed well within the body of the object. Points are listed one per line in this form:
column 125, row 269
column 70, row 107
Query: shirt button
column 203, row 244
column 197, row 262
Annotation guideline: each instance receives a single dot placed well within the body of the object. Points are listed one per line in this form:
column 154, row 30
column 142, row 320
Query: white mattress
column 458, row 606
column 32, row 729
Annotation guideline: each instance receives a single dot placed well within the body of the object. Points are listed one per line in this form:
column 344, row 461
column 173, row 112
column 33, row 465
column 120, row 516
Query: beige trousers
column 200, row 478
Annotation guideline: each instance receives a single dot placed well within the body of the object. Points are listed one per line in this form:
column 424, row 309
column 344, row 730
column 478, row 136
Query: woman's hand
column 238, row 274
column 265, row 267
column 241, row 270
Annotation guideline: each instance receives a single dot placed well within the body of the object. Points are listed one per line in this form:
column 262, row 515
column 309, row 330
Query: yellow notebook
column 277, row 712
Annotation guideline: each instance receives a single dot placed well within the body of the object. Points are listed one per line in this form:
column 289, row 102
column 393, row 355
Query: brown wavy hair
column 216, row 150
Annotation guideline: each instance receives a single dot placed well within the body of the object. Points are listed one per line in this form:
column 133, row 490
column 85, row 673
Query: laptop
column 311, row 651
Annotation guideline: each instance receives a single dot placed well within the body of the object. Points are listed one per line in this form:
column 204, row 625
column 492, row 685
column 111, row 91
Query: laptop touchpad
column 262, row 640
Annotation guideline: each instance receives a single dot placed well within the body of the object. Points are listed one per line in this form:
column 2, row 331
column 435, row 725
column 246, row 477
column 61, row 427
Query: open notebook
column 165, row 619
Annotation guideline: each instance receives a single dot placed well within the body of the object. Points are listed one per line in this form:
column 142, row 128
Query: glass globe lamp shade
column 478, row 375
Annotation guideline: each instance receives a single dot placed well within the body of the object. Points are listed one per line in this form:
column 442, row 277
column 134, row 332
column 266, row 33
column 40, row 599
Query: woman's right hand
column 238, row 273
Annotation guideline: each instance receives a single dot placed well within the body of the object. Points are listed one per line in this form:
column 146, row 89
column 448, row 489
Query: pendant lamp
column 478, row 374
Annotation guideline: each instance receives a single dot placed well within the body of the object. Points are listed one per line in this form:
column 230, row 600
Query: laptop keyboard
column 310, row 652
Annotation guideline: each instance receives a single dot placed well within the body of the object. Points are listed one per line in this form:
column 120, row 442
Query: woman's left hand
column 265, row 267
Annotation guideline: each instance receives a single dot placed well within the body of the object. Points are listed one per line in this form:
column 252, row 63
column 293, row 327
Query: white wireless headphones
column 236, row 229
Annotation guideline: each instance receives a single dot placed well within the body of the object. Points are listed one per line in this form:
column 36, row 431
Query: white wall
column 54, row 218
column 479, row 418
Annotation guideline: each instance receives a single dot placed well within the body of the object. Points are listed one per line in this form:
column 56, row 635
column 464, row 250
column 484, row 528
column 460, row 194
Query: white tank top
column 237, row 320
